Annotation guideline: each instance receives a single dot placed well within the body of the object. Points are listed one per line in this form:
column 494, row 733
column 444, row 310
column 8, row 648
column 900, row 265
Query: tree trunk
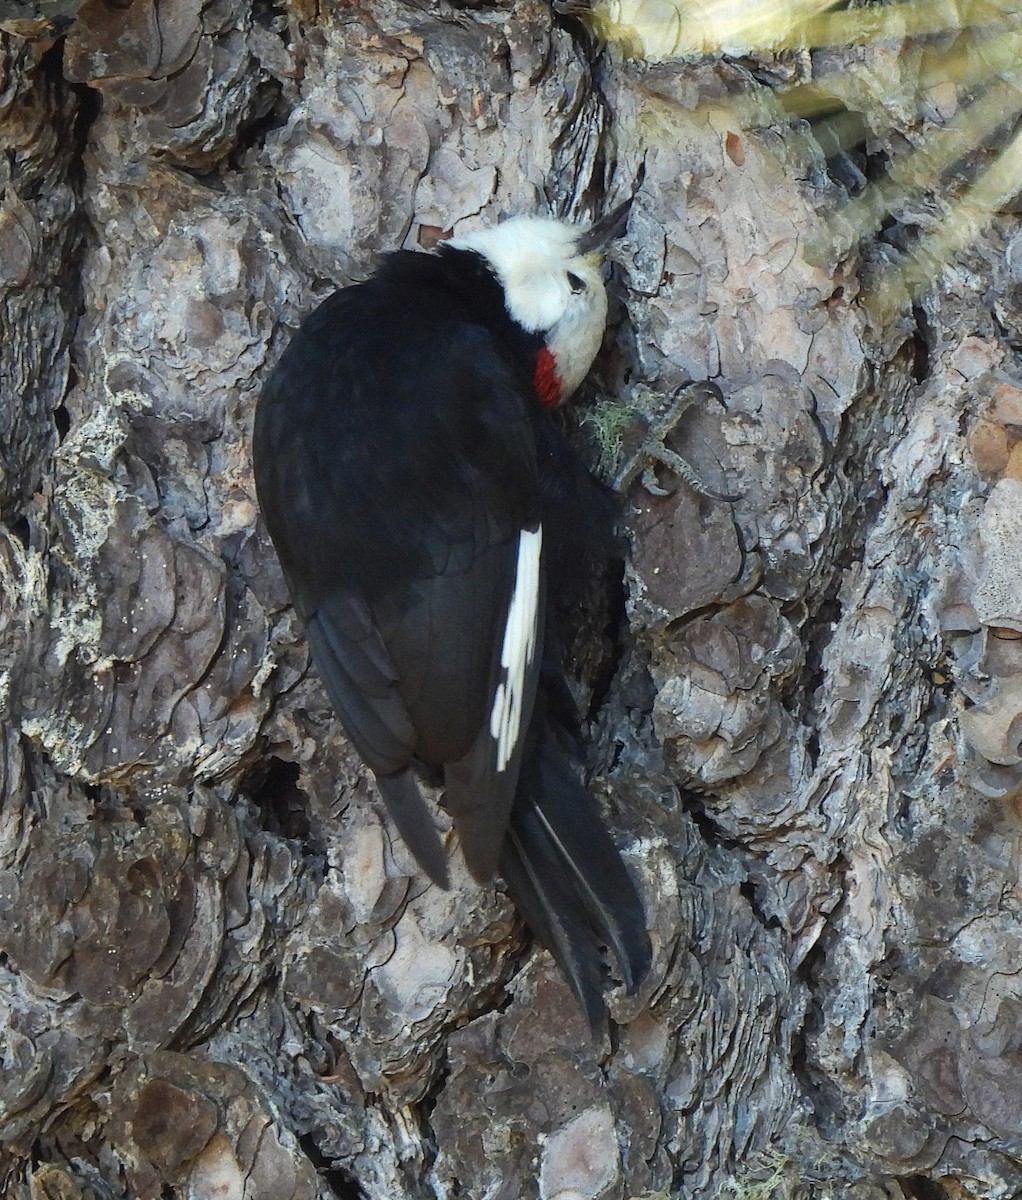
column 221, row 974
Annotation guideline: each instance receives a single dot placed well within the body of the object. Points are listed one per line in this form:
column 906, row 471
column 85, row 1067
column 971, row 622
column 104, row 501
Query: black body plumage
column 406, row 470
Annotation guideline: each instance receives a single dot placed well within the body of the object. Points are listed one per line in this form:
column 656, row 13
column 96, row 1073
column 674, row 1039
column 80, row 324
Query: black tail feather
column 415, row 824
column 552, row 912
column 566, row 878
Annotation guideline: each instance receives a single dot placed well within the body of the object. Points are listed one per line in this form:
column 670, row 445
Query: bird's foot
column 661, row 420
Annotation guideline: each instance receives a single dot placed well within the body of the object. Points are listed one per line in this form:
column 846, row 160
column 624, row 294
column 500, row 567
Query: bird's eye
column 576, row 284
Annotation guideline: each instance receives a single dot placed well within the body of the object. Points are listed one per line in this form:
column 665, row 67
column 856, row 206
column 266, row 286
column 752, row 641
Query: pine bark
column 220, row 973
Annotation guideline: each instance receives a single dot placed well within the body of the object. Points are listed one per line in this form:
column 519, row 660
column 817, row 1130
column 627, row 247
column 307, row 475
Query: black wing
column 395, row 462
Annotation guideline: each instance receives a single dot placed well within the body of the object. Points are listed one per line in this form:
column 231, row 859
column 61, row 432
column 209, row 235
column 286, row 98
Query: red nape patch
column 546, row 381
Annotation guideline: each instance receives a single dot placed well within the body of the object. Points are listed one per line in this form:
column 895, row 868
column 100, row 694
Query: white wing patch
column 519, row 648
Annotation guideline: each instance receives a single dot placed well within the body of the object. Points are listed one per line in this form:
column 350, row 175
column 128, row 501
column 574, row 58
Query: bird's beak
column 606, row 229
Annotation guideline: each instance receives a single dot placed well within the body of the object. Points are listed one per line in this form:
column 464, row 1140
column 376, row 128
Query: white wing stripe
column 519, row 647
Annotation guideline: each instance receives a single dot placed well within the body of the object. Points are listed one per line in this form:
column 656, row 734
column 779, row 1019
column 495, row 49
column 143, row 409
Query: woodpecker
column 433, row 526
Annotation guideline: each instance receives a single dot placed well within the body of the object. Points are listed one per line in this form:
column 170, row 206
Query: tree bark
column 220, row 973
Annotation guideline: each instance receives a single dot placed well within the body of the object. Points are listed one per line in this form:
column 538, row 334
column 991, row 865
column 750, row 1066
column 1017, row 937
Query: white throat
column 549, row 288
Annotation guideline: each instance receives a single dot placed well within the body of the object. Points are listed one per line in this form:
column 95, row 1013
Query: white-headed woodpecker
column 432, row 524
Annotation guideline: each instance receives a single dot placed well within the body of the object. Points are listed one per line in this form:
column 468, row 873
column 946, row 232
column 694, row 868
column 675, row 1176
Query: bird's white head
column 553, row 286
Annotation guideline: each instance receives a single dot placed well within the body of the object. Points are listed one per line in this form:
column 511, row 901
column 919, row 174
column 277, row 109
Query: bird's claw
column 684, row 470
column 652, row 450
column 652, row 484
